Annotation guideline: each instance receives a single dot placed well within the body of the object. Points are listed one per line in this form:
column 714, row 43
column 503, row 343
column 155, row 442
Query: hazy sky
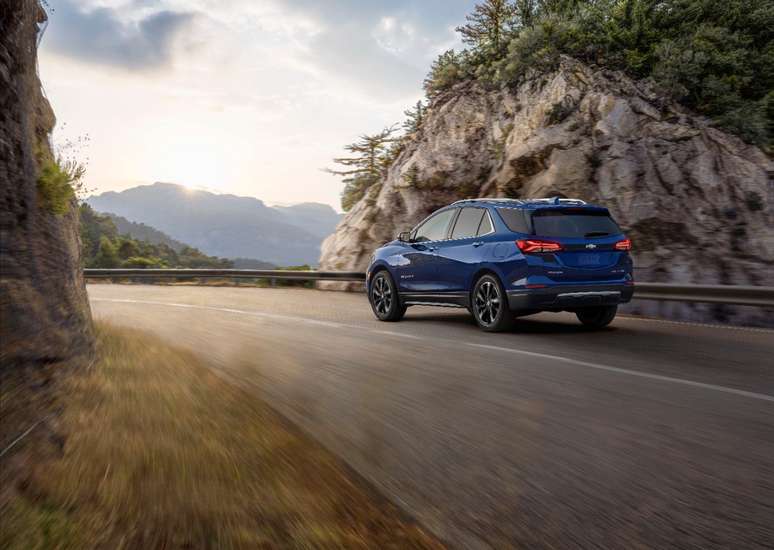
column 251, row 97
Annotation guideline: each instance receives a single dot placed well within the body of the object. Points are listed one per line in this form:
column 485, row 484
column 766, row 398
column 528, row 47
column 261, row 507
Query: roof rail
column 489, row 199
column 552, row 200
column 556, row 200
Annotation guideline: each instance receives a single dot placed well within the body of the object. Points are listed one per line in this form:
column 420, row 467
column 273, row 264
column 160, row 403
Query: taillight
column 626, row 244
column 530, row 246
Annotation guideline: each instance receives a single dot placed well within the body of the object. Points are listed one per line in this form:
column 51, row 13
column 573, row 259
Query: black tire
column 489, row 305
column 597, row 317
column 384, row 298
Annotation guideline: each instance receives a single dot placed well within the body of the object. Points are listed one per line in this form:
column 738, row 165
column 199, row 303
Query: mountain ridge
column 225, row 225
column 144, row 232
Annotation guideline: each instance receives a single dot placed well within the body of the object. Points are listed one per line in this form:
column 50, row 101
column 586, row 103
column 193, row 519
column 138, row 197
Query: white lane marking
column 640, row 374
column 558, row 358
column 261, row 314
column 395, row 333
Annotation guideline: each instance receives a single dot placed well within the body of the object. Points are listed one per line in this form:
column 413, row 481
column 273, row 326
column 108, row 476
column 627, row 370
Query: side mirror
column 404, row 236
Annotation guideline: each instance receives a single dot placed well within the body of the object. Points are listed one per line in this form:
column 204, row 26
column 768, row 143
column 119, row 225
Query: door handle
column 433, row 249
column 478, row 243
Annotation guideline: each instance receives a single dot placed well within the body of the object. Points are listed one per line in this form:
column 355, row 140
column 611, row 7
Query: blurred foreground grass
column 161, row 453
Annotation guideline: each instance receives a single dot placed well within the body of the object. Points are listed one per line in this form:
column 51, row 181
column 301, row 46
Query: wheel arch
column 484, row 270
column 377, row 268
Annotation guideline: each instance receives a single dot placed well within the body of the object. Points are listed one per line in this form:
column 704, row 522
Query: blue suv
column 503, row 258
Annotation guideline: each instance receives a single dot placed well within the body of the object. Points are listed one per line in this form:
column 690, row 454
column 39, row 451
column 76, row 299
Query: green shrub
column 57, row 183
column 139, row 262
column 446, row 71
column 107, row 255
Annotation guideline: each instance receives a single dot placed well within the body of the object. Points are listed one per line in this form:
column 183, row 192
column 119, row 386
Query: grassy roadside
column 161, row 453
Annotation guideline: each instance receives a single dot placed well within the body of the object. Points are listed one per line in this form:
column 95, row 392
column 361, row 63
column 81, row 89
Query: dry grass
column 161, row 453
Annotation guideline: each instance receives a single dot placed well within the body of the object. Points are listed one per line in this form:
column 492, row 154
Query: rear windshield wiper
column 597, row 234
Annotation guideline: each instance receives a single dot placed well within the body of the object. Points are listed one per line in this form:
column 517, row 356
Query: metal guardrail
column 712, row 294
column 278, row 274
column 762, row 296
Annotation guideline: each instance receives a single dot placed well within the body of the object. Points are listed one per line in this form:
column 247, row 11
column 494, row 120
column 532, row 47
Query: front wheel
column 597, row 317
column 384, row 298
column 490, row 305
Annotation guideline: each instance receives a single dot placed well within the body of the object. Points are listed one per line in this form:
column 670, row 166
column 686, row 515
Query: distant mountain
column 226, row 225
column 249, row 263
column 143, row 232
column 318, row 219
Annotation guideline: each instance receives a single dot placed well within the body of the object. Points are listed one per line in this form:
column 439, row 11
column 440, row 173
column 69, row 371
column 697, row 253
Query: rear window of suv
column 573, row 223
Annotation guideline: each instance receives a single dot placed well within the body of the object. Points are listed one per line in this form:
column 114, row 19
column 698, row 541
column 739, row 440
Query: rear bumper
column 569, row 296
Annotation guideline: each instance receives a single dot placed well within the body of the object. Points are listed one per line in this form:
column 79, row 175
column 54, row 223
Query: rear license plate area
column 589, row 259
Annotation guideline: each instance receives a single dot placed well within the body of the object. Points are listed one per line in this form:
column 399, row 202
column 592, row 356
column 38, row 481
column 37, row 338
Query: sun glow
column 194, row 161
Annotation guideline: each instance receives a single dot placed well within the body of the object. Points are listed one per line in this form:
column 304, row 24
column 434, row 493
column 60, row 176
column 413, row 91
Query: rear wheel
column 384, row 298
column 597, row 317
column 490, row 305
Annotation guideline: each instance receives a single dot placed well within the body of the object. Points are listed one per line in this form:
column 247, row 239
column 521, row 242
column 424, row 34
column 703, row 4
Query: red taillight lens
column 530, row 246
column 626, row 244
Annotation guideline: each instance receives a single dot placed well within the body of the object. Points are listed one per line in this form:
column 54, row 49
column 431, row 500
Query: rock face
column 44, row 313
column 697, row 202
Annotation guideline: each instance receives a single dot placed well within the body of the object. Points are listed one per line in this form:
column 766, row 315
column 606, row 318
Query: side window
column 516, row 219
column 467, row 223
column 486, row 225
column 435, row 228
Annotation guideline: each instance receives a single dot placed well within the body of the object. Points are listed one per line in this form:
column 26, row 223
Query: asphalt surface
column 648, row 434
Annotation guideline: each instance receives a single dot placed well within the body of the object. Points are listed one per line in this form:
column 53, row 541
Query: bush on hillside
column 716, row 57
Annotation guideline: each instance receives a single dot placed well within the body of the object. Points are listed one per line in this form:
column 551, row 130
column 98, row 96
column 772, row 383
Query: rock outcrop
column 697, row 202
column 44, row 312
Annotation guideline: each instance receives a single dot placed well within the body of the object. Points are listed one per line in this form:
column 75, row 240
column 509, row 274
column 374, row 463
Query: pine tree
column 414, row 118
column 445, row 71
column 365, row 167
column 526, row 12
column 489, row 24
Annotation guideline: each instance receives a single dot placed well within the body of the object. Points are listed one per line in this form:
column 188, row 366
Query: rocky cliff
column 44, row 313
column 696, row 201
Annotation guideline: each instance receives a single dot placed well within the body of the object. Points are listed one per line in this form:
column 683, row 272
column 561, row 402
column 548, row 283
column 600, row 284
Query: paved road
column 648, row 434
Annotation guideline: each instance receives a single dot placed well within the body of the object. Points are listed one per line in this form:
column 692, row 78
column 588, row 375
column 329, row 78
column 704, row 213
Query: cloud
column 108, row 36
column 381, row 47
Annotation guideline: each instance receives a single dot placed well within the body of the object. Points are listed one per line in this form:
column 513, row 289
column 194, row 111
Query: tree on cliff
column 414, row 118
column 713, row 56
column 447, row 69
column 366, row 166
column 487, row 28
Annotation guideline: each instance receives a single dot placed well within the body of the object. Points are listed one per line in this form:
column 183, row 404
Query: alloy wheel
column 487, row 303
column 381, row 294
